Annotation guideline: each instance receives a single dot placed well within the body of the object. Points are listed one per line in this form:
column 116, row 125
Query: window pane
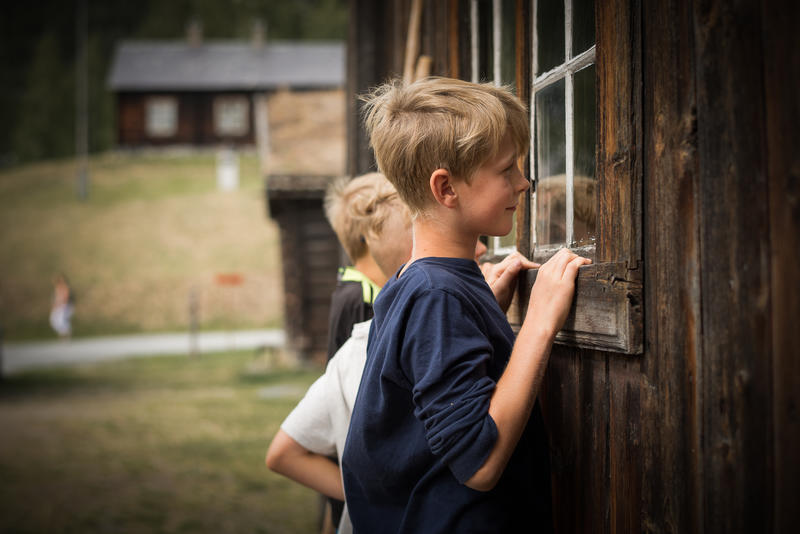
column 582, row 26
column 551, row 167
column 509, row 49
column 161, row 116
column 550, row 34
column 231, row 115
column 585, row 227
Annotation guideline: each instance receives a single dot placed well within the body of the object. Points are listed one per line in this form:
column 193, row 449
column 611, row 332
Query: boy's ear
column 441, row 183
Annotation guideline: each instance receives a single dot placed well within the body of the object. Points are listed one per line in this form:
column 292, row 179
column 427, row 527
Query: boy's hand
column 501, row 276
column 551, row 296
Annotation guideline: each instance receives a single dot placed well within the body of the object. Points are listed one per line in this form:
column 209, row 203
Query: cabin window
column 563, row 125
column 161, row 116
column 571, row 61
column 231, row 116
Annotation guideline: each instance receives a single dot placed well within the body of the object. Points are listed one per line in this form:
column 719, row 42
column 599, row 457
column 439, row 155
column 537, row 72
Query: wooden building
column 310, row 257
column 664, row 146
column 211, row 93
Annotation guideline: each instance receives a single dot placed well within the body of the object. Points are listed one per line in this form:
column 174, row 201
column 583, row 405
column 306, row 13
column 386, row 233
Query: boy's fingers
column 571, row 270
column 561, row 259
column 509, row 273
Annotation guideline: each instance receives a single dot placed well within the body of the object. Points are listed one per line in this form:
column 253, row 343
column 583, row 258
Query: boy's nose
column 522, row 183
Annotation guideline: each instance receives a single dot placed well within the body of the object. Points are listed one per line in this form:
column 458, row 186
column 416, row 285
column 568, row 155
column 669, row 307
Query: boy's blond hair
column 439, row 123
column 357, row 208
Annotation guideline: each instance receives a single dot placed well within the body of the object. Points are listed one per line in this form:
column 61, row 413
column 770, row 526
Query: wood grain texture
column 781, row 83
column 608, row 304
column 671, row 397
column 734, row 273
column 619, row 131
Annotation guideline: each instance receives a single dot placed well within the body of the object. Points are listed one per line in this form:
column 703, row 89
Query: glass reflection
column 582, row 26
column 551, row 165
column 585, row 204
column 550, row 35
column 508, row 46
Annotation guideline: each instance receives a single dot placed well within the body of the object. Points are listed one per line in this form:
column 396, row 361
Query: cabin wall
column 310, row 259
column 700, row 432
column 195, row 124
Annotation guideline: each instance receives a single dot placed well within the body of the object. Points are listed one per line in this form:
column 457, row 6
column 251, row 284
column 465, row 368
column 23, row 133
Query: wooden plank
column 734, row 273
column 559, row 398
column 368, row 63
column 672, row 498
column 619, row 162
column 781, row 83
column 575, row 403
column 625, row 444
column 594, row 491
column 605, row 311
column 523, row 72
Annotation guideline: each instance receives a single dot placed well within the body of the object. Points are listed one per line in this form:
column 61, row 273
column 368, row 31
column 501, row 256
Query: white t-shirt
column 320, row 420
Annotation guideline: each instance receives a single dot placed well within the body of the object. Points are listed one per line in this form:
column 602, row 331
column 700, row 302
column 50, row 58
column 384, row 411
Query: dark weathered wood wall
column 309, row 257
column 698, row 137
column 195, row 120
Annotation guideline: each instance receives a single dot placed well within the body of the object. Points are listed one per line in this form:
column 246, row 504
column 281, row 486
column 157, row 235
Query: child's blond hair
column 439, row 123
column 357, row 208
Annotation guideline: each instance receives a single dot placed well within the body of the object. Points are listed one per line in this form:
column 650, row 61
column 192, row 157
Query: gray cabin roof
column 226, row 65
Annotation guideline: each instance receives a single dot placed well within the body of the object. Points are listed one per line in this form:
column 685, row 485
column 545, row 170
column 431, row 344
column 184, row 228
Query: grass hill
column 154, row 229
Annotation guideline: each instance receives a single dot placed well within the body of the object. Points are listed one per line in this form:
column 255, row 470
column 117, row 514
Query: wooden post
column 412, row 41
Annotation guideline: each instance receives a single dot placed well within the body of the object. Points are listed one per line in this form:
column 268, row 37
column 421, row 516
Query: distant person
column 63, row 307
column 317, row 427
column 446, row 434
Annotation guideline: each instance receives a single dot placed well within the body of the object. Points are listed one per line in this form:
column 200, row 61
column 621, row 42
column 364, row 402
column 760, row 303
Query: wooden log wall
column 195, row 120
column 701, row 432
column 309, row 256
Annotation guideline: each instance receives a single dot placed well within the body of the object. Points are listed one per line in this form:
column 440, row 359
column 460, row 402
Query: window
column 585, row 100
column 231, row 116
column 161, row 116
column 563, row 125
column 572, row 62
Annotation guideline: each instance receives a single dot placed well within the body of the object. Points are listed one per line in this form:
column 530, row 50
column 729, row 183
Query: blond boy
column 374, row 228
column 445, row 434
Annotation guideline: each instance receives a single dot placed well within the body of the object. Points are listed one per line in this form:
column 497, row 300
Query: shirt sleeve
column 309, row 424
column 446, row 357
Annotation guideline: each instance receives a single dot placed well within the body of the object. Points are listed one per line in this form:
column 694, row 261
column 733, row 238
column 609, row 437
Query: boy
column 316, row 429
column 359, row 211
column 444, row 435
column 374, row 227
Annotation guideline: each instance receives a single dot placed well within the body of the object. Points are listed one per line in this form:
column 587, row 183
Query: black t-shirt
column 351, row 303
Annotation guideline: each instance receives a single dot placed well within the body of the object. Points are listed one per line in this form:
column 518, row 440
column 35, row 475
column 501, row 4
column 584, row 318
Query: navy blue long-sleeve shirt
column 421, row 425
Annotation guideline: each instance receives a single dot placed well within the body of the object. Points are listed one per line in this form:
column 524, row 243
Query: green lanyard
column 369, row 289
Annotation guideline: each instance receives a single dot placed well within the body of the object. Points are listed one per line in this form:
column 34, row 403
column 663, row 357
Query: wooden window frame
column 607, row 312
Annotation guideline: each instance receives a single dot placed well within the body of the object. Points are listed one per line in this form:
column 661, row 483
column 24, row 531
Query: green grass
column 166, row 444
column 153, row 230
